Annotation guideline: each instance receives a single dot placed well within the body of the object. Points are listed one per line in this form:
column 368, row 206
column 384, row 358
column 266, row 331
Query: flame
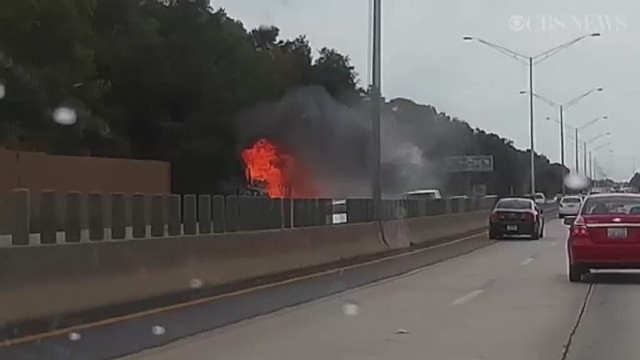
column 279, row 172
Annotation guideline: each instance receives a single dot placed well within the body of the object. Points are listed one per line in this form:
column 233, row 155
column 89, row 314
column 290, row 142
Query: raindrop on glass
column 351, row 309
column 576, row 182
column 74, row 336
column 2, row 91
column 195, row 283
column 65, row 116
column 158, row 330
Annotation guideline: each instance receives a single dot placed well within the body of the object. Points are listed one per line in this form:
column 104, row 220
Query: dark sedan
column 516, row 216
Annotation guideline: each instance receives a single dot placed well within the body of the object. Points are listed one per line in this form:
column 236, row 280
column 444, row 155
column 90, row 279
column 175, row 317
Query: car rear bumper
column 569, row 211
column 522, row 228
column 605, row 255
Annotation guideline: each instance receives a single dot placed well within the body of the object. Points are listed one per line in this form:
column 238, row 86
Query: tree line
column 165, row 80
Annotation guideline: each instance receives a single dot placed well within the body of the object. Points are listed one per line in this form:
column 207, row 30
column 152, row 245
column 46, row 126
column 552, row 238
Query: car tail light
column 579, row 228
column 528, row 217
column 495, row 217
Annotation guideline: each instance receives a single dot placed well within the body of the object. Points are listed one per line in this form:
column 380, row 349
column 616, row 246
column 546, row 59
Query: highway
column 508, row 300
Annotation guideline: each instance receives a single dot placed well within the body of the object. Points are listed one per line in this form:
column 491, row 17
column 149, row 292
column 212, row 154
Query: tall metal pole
column 377, row 95
column 577, row 153
column 584, row 155
column 533, row 156
column 562, row 148
column 590, row 165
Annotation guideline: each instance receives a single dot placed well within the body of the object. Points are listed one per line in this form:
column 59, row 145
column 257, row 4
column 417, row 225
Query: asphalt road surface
column 507, row 301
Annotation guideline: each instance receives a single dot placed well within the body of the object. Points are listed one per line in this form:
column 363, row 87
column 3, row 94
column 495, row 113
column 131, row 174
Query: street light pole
column 531, row 127
column 577, row 157
column 584, row 153
column 377, row 95
column 530, row 61
column 564, row 189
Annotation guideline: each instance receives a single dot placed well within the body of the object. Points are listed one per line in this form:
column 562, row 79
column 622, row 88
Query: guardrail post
column 174, row 215
column 218, row 212
column 96, row 217
column 204, row 214
column 157, row 215
column 118, row 216
column 190, row 214
column 231, row 214
column 48, row 218
column 73, row 217
column 20, row 228
column 138, row 222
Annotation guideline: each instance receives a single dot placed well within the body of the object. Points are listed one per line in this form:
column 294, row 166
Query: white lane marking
column 463, row 299
column 526, row 261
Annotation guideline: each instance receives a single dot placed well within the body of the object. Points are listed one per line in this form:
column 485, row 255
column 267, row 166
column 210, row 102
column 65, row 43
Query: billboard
column 480, row 163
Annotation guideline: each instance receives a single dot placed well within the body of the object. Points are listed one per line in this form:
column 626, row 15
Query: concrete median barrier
column 417, row 231
column 42, row 281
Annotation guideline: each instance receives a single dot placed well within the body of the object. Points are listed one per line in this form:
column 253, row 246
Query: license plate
column 617, row 233
column 512, row 227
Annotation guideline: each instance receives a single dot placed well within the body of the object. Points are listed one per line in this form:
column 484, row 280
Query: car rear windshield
column 514, row 204
column 612, row 205
column 571, row 200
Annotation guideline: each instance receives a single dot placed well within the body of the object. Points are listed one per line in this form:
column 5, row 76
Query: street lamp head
column 599, row 89
column 595, row 34
column 522, row 92
column 605, row 117
column 467, row 38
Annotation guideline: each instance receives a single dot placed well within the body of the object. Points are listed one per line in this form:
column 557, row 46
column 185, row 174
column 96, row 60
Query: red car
column 604, row 235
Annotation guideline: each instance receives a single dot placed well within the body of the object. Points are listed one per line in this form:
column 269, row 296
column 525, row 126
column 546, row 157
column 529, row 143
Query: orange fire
column 279, row 172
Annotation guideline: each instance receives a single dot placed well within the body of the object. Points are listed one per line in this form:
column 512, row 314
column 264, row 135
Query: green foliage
column 166, row 79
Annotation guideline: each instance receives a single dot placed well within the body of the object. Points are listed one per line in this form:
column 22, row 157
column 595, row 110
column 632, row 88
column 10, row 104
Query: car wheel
column 576, row 271
column 536, row 233
column 493, row 235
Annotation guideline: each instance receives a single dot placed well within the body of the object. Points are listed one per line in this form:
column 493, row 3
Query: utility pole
column 577, row 153
column 376, row 97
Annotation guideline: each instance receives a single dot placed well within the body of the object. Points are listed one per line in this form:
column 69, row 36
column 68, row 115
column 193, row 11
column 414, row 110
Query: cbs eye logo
column 517, row 22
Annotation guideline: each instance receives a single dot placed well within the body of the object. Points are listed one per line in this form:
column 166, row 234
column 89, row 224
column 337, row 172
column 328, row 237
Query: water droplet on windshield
column 195, row 283
column 402, row 331
column 65, row 115
column 351, row 309
column 576, row 182
column 158, row 330
column 2, row 91
column 74, row 336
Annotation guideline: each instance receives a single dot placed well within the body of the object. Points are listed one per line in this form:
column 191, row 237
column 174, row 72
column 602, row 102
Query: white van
column 428, row 194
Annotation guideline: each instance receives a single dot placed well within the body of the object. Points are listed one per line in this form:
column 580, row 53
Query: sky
column 426, row 60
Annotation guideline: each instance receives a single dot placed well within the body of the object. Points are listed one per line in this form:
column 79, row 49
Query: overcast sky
column 425, row 59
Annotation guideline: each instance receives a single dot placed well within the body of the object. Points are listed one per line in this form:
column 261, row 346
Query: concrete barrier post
column 157, row 215
column 190, row 214
column 231, row 214
column 138, row 222
column 174, row 215
column 217, row 213
column 96, row 216
column 48, row 217
column 287, row 213
column 73, row 217
column 204, row 214
column 20, row 229
column 118, row 216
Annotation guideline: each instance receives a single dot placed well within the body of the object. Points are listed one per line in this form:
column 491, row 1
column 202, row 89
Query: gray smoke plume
column 333, row 141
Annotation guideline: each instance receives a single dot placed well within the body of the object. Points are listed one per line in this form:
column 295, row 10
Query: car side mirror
column 569, row 220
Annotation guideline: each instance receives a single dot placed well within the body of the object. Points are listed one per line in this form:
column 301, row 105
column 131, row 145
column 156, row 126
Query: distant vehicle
column 459, row 197
column 429, row 194
column 539, row 198
column 604, row 235
column 516, row 216
column 569, row 205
